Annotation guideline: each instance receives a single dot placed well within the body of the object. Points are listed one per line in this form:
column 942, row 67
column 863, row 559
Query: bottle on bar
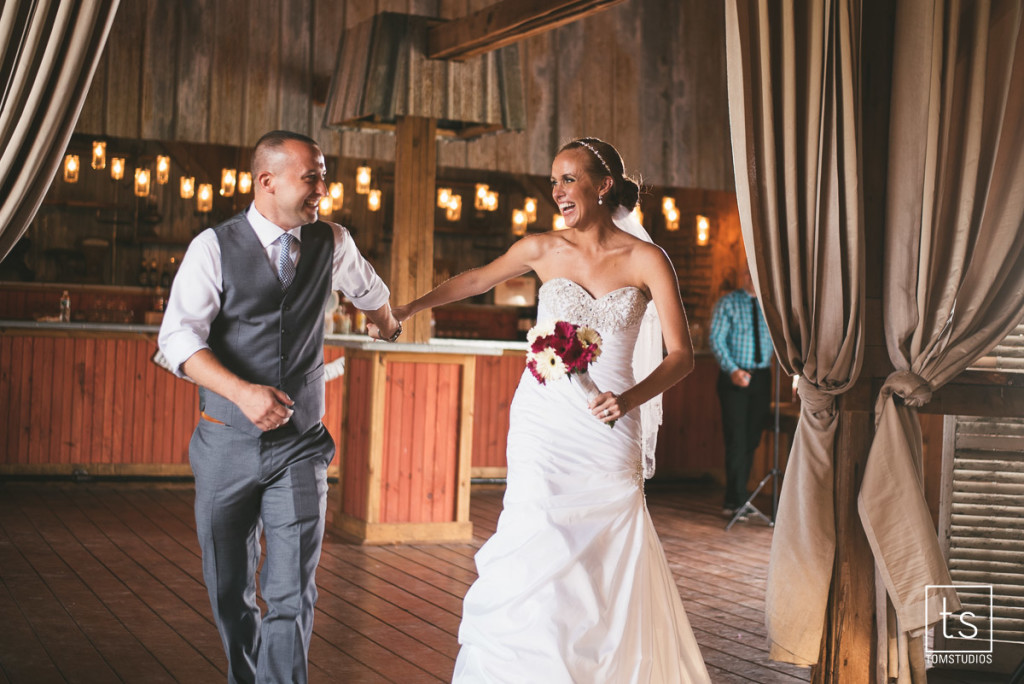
column 65, row 307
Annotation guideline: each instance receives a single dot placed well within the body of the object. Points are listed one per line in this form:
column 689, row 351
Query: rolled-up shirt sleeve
column 354, row 276
column 193, row 303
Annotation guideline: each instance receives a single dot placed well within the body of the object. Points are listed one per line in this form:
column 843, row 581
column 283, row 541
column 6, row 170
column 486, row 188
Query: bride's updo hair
column 604, row 160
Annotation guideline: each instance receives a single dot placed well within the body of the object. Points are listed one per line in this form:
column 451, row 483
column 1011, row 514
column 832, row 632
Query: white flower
column 540, row 330
column 588, row 336
column 549, row 365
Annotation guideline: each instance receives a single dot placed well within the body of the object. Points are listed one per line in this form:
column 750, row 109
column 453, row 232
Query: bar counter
column 413, row 423
column 65, row 387
column 87, row 397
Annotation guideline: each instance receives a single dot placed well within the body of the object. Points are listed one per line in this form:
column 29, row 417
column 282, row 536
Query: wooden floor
column 101, row 582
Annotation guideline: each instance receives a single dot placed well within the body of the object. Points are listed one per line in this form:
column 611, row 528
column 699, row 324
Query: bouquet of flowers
column 563, row 349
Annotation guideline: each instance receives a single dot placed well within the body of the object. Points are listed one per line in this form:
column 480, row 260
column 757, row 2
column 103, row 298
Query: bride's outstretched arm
column 519, row 259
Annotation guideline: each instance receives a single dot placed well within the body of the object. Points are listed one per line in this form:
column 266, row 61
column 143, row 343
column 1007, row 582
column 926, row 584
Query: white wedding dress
column 574, row 586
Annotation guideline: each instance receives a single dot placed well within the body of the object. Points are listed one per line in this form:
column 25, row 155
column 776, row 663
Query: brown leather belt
column 205, row 416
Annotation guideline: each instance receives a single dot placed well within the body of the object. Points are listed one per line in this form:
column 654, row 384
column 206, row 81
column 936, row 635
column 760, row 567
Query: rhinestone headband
column 597, row 154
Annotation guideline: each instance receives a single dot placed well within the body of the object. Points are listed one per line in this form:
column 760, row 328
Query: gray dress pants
column 274, row 484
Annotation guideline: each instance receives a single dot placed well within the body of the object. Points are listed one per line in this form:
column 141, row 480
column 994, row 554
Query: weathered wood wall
column 647, row 75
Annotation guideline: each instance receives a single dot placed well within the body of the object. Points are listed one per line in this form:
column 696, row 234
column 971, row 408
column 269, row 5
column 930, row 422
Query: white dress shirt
column 194, row 301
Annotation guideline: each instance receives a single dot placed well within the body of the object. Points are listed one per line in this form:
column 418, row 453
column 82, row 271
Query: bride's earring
column 600, row 199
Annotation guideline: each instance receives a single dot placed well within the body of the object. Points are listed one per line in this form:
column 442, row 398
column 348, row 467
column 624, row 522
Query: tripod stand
column 775, row 475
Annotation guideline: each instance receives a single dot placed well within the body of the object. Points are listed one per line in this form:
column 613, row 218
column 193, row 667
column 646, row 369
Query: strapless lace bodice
column 617, row 311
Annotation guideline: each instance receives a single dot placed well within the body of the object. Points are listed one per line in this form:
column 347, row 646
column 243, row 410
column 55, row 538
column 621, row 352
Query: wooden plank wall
column 421, row 418
column 496, row 380
column 99, row 404
column 647, row 75
column 356, row 431
column 91, row 401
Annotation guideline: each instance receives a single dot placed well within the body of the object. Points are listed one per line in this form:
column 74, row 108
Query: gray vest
column 268, row 336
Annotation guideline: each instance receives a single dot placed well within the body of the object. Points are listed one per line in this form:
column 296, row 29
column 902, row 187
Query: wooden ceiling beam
column 505, row 22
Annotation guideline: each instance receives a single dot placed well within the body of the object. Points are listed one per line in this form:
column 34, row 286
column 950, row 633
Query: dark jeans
column 745, row 413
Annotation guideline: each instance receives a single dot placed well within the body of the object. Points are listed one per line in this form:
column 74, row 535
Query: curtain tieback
column 911, row 387
column 813, row 398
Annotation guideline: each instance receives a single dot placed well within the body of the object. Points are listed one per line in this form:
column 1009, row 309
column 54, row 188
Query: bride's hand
column 400, row 312
column 608, row 407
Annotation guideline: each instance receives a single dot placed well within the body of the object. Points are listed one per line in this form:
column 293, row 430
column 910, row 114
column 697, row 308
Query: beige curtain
column 48, row 54
column 954, row 264
column 794, row 104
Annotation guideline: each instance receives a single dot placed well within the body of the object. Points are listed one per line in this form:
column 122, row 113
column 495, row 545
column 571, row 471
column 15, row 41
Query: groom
column 245, row 321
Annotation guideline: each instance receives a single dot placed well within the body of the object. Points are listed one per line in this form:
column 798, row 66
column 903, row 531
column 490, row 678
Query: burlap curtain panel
column 794, row 107
column 48, row 54
column 954, row 265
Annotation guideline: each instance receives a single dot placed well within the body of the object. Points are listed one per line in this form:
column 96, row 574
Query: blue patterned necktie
column 285, row 267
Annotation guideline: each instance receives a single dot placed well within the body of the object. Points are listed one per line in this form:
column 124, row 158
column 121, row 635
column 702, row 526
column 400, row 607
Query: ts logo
column 965, row 620
column 970, row 630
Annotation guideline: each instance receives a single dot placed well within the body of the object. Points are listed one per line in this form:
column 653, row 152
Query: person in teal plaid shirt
column 743, row 348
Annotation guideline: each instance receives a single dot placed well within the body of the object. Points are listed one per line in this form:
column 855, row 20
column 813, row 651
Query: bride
column 574, row 585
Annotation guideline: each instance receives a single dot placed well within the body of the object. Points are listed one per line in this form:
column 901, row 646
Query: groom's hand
column 382, row 324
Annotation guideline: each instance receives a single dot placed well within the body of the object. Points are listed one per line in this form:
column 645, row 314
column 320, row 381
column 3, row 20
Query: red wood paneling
column 447, row 442
column 356, row 436
column 100, row 400
column 420, row 442
column 333, row 394
column 496, row 381
column 79, row 400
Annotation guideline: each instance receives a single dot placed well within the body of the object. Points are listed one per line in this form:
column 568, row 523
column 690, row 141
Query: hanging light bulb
column 326, row 205
column 99, row 154
column 188, row 187
column 453, row 212
column 373, row 200
column 444, row 195
column 71, row 168
column 204, row 200
column 671, row 213
column 530, row 207
column 363, row 178
column 491, row 201
column 244, row 182
column 117, row 168
column 519, row 222
column 142, row 177
column 227, row 182
column 163, row 169
column 558, row 222
column 672, row 219
column 337, row 191
column 480, row 202
column 703, row 230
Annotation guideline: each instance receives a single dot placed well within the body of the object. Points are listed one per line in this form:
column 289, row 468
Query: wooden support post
column 848, row 648
column 412, row 248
